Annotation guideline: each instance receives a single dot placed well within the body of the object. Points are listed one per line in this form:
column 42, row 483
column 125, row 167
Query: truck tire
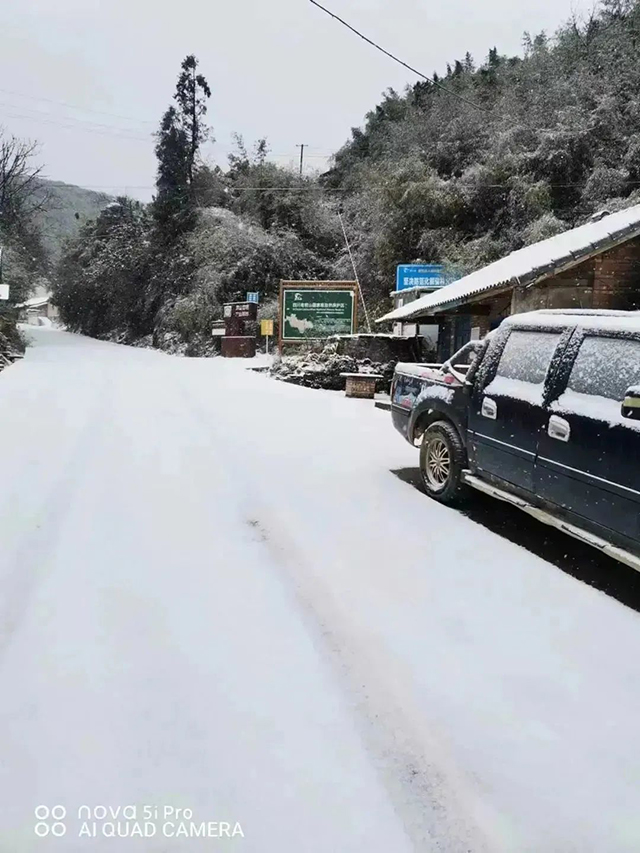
column 442, row 460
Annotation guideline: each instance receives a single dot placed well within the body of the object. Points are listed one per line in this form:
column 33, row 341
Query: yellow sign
column 266, row 327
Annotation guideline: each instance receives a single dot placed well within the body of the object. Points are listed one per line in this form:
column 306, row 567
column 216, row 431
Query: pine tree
column 172, row 202
column 191, row 94
column 182, row 130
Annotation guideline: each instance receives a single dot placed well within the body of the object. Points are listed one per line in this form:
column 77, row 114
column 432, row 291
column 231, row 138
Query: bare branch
column 21, row 190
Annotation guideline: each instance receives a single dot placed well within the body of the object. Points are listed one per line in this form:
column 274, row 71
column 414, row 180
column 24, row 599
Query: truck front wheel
column 442, row 459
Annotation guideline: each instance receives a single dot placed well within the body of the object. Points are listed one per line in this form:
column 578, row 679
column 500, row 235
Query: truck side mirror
column 631, row 403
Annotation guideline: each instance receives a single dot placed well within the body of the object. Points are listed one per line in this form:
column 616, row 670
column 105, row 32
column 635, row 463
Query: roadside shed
column 596, row 265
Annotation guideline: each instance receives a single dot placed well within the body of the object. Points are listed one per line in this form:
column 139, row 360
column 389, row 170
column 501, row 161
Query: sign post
column 312, row 310
column 239, row 319
column 266, row 329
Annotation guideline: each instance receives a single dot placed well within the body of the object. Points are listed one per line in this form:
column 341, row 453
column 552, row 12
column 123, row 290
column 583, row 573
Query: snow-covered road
column 214, row 596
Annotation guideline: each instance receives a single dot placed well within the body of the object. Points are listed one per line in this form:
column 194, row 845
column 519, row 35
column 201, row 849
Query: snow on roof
column 34, row 302
column 421, row 288
column 530, row 264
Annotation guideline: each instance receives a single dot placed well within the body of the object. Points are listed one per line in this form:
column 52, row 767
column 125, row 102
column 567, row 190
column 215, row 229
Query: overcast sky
column 90, row 79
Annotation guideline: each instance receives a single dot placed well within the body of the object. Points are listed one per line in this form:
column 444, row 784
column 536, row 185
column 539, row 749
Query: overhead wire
column 75, row 106
column 433, row 82
column 69, row 123
column 317, row 188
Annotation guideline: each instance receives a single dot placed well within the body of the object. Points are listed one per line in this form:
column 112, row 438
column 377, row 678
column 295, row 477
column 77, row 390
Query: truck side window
column 606, row 367
column 523, row 366
column 527, row 356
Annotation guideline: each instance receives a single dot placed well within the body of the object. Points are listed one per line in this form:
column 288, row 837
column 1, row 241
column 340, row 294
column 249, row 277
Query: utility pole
column 301, row 147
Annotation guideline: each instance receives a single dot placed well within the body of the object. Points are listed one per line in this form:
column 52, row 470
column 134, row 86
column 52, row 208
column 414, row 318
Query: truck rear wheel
column 442, row 460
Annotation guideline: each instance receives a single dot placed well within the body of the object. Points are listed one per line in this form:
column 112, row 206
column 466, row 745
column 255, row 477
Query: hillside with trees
column 539, row 143
column 66, row 208
column 37, row 217
column 459, row 169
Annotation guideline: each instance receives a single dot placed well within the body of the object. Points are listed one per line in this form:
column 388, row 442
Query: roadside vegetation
column 508, row 152
column 24, row 260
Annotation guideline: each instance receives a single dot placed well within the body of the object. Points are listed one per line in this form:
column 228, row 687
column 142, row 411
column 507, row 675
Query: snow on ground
column 214, row 595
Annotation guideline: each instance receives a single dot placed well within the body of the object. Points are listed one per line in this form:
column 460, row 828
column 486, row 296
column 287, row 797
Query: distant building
column 37, row 307
column 596, row 265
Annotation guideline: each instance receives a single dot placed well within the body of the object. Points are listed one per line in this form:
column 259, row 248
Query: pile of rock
column 323, row 369
column 321, row 364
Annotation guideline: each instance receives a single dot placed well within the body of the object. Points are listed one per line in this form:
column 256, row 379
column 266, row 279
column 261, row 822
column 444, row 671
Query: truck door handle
column 489, row 408
column 558, row 428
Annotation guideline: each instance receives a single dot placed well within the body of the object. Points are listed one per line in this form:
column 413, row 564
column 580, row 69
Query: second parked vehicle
column 544, row 414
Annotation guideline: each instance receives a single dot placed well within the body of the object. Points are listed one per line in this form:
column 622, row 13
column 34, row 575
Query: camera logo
column 49, row 821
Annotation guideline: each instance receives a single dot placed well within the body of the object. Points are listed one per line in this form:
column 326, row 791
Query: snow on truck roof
column 606, row 321
column 530, row 264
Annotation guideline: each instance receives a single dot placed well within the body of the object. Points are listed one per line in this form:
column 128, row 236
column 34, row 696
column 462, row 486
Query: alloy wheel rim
column 438, row 465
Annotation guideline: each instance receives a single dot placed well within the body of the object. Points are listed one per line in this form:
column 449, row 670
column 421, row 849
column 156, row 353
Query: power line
column 109, row 130
column 76, row 107
column 326, row 189
column 111, row 186
column 400, row 61
column 317, row 188
column 52, row 116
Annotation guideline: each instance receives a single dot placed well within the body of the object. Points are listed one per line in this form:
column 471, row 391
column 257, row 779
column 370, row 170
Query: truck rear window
column 405, row 390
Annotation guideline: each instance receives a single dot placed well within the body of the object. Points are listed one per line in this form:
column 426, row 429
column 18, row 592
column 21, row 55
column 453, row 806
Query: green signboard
column 308, row 313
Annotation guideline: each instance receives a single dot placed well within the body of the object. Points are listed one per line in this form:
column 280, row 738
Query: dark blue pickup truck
column 543, row 413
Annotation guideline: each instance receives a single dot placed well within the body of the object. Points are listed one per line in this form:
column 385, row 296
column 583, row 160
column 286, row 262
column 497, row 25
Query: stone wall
column 383, row 348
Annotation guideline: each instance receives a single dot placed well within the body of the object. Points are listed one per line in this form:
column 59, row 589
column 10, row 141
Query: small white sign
column 218, row 332
column 4, row 291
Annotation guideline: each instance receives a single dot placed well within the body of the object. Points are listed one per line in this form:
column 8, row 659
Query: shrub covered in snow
column 320, row 369
column 10, row 338
column 323, row 367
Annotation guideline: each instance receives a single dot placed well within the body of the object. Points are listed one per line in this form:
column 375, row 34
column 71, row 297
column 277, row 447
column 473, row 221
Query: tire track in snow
column 36, row 547
column 434, row 804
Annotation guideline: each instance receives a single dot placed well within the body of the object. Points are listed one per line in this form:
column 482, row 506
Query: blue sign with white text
column 253, row 296
column 421, row 275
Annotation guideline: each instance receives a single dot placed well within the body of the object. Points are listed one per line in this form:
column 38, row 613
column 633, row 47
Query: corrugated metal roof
column 530, row 264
